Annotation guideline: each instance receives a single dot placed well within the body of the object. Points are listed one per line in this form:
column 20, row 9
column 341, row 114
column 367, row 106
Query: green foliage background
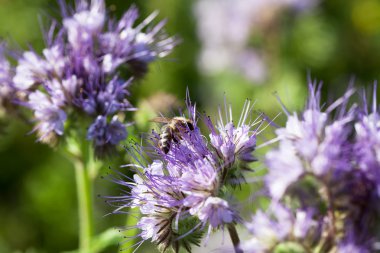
column 335, row 41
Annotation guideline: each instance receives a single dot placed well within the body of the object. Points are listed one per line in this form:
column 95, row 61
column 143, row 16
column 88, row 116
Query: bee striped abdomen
column 165, row 139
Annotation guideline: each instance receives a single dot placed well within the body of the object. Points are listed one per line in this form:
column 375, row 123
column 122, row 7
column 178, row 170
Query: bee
column 172, row 130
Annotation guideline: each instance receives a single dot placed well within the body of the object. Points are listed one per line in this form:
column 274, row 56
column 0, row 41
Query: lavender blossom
column 279, row 225
column 235, row 142
column 50, row 116
column 77, row 74
column 184, row 193
column 106, row 135
column 367, row 146
column 312, row 143
column 330, row 166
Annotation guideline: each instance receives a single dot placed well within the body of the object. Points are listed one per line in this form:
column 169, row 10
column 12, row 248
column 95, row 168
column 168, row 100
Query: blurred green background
column 242, row 50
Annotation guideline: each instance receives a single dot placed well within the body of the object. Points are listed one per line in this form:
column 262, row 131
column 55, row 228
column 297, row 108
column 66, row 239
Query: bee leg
column 190, row 126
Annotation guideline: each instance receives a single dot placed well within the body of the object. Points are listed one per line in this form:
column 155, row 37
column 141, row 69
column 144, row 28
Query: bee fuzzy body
column 165, row 139
column 172, row 131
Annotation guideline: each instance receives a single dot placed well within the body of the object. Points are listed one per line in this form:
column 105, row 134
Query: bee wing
column 161, row 120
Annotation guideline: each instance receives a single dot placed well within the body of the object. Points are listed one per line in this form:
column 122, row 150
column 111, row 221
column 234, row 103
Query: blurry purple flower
column 216, row 211
column 276, row 226
column 303, row 223
column 336, row 156
column 49, row 115
column 86, row 22
column 252, row 65
column 78, row 69
column 106, row 100
column 267, row 232
column 225, row 28
column 125, row 43
column 282, row 161
column 313, row 143
column 106, row 135
column 367, row 142
column 30, row 70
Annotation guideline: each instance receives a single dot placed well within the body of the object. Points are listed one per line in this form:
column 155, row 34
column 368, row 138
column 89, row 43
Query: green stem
column 234, row 238
column 85, row 204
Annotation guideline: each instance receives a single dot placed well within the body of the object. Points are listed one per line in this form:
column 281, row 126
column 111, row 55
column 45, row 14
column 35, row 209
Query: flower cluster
column 186, row 190
column 79, row 71
column 326, row 164
column 7, row 91
column 279, row 224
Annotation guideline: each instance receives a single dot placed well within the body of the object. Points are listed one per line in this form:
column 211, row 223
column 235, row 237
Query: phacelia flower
column 367, row 145
column 279, row 225
column 235, row 142
column 327, row 161
column 312, row 143
column 49, row 115
column 185, row 191
column 78, row 71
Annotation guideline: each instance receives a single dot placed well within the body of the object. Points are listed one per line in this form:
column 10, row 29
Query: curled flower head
column 106, row 135
column 77, row 72
column 312, row 143
column 326, row 160
column 186, row 191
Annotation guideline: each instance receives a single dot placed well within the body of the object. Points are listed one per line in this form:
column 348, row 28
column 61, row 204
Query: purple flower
column 126, row 43
column 278, row 225
column 225, row 28
column 31, row 69
column 216, row 211
column 367, row 142
column 49, row 115
column 106, row 100
column 184, row 191
column 159, row 200
column 84, row 24
column 282, row 161
column 77, row 73
column 330, row 161
column 313, row 143
column 106, row 135
column 235, row 142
